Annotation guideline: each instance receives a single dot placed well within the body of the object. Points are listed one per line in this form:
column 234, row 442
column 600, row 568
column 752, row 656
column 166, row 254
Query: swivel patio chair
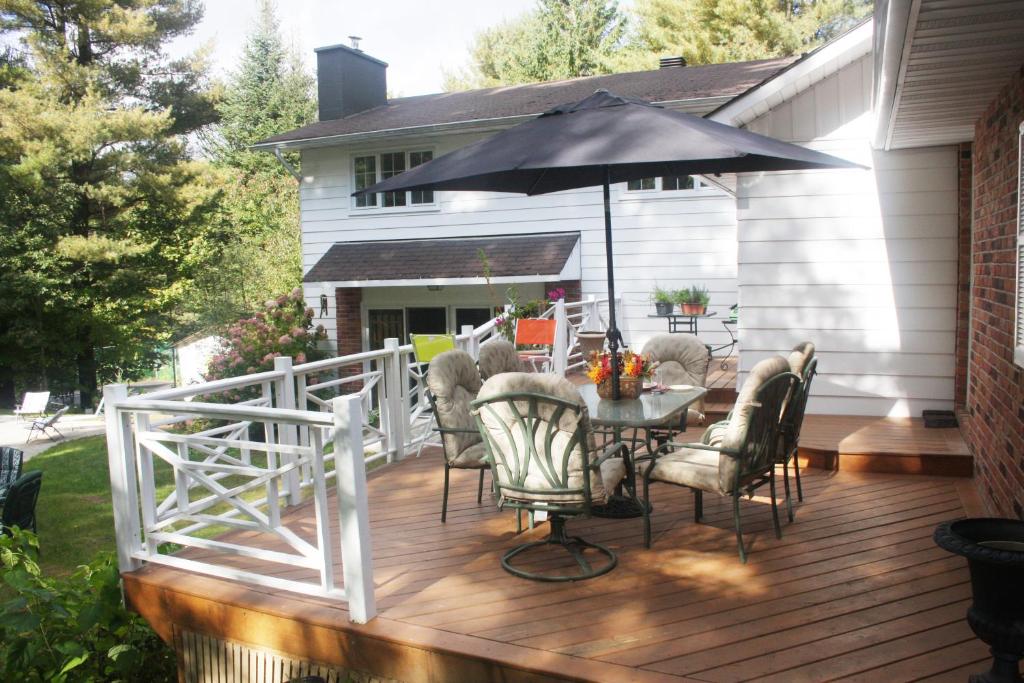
column 20, row 505
column 682, row 359
column 497, row 357
column 45, row 425
column 543, row 457
column 33, row 403
column 803, row 364
column 735, row 460
column 453, row 382
column 10, row 469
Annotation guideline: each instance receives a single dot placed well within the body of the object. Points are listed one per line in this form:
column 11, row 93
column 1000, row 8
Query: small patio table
column 650, row 410
column 683, row 323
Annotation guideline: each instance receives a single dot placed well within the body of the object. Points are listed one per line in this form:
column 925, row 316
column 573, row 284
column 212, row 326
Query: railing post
column 393, row 378
column 123, row 485
column 621, row 318
column 592, row 322
column 288, row 434
column 560, row 352
column 472, row 343
column 353, row 512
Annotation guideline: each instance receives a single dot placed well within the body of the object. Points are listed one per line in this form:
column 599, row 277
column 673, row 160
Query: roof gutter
column 695, row 105
column 896, row 20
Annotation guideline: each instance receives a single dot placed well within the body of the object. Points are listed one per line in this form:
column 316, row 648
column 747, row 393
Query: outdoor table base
column 622, row 507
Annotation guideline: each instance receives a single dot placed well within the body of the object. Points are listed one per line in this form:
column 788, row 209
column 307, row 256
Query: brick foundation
column 995, row 387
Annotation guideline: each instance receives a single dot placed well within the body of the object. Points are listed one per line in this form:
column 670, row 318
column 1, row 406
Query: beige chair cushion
column 682, row 359
column 729, row 435
column 502, row 426
column 497, row 357
column 689, row 467
column 454, row 381
column 473, row 457
column 800, row 356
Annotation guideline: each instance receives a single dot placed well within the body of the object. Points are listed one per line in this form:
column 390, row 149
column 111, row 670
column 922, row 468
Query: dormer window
column 373, row 168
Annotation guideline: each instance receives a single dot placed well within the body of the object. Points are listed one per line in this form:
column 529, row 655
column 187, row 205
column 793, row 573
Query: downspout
column 287, row 166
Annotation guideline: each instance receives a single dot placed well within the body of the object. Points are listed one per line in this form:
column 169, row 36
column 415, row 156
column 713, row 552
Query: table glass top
column 647, row 411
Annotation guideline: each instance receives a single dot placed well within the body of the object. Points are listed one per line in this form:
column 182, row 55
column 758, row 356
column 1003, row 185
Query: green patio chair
column 452, row 384
column 20, row 505
column 803, row 364
column 10, row 469
column 541, row 449
column 735, row 457
column 426, row 347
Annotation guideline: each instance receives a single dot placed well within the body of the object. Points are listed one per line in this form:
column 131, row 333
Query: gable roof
column 536, row 256
column 659, row 85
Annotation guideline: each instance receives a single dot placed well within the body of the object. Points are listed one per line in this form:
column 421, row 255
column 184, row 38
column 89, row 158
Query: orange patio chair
column 536, row 332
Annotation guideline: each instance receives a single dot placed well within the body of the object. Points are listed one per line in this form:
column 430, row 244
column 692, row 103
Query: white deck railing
column 188, row 465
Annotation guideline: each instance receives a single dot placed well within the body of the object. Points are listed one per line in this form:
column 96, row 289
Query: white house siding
column 861, row 262
column 675, row 242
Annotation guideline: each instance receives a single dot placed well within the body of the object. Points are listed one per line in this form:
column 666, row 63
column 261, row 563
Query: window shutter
column 1018, row 352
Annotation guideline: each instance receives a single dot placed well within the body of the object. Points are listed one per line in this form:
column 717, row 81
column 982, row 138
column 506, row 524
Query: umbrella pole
column 614, row 337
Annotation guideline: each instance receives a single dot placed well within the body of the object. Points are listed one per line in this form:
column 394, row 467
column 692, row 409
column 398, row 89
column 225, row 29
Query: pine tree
column 103, row 213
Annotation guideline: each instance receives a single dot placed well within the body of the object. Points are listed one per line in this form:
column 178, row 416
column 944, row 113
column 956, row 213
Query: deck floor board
column 855, row 589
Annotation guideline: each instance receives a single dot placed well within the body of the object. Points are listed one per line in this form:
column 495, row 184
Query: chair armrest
column 609, row 451
column 695, row 446
column 455, row 430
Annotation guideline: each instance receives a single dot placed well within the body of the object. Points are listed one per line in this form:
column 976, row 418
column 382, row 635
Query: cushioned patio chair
column 734, row 457
column 803, row 364
column 682, row 359
column 33, row 403
column 497, row 357
column 20, row 505
column 10, row 469
column 543, row 457
column 452, row 383
column 425, row 347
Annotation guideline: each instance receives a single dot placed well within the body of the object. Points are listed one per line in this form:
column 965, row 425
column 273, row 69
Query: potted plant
column 694, row 301
column 663, row 300
column 633, row 370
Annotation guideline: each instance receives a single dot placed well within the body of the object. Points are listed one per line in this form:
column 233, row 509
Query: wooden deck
column 856, row 590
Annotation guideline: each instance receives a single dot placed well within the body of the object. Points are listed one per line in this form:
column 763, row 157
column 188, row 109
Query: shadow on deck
column 855, row 590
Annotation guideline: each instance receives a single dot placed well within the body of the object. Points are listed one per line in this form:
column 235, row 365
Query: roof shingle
column 659, row 85
column 508, row 256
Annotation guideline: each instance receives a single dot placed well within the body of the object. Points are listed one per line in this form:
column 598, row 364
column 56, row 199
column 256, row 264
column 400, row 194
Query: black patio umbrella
column 600, row 140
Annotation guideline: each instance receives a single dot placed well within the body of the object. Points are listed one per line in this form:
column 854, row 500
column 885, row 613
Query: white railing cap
column 227, row 411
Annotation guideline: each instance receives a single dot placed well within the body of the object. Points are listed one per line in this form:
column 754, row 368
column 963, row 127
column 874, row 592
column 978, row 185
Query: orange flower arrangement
column 633, row 365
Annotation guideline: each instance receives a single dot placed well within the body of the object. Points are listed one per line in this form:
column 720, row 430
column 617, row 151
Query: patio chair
column 19, row 507
column 425, row 347
column 46, row 425
column 543, row 457
column 33, row 403
column 452, row 384
column 803, row 364
column 733, row 459
column 10, row 469
column 497, row 357
column 536, row 332
column 682, row 359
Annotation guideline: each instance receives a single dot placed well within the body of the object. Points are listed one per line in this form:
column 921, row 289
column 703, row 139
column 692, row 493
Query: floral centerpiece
column 634, row 368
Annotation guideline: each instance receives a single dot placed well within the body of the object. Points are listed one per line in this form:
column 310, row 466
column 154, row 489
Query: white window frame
column 1018, row 326
column 700, row 187
column 378, row 208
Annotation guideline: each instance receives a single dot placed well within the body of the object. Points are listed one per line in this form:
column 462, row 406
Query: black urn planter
column 994, row 549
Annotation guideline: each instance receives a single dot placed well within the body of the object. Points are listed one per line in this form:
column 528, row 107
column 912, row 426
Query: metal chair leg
column 796, row 469
column 647, row 513
column 789, row 495
column 775, row 505
column 736, row 521
column 480, row 489
column 698, row 505
column 444, row 503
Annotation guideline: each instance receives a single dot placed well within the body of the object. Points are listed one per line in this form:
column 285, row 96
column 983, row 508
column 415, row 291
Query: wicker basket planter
column 629, row 388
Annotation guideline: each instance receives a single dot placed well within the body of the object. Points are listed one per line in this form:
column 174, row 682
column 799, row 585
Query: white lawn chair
column 33, row 403
column 47, row 424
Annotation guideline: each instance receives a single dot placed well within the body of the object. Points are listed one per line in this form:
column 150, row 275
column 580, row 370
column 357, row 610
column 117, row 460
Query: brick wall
column 573, row 289
column 349, row 319
column 963, row 289
column 995, row 393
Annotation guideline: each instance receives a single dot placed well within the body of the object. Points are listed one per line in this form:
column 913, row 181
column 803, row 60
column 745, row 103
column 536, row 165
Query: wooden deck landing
column 856, row 590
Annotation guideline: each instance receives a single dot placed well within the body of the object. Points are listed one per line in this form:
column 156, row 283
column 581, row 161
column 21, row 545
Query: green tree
column 104, row 214
column 271, row 92
column 715, row 31
column 558, row 39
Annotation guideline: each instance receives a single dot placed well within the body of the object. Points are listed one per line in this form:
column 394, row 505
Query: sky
column 417, row 38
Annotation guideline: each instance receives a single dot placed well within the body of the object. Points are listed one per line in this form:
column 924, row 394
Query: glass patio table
column 648, row 411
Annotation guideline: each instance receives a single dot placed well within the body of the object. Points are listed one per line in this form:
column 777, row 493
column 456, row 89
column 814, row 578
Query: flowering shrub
column 506, row 323
column 283, row 328
column 599, row 367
